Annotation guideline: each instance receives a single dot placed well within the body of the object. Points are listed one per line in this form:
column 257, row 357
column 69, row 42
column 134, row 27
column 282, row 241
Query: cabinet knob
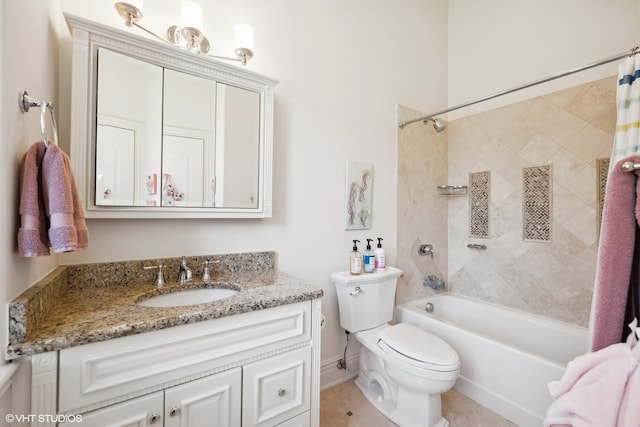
column 154, row 418
column 174, row 411
column 281, row 392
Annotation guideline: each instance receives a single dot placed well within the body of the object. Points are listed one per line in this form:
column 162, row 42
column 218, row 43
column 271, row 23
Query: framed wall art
column 359, row 189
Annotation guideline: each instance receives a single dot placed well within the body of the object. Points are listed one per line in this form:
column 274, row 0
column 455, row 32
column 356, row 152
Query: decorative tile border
column 479, row 202
column 602, row 171
column 537, row 199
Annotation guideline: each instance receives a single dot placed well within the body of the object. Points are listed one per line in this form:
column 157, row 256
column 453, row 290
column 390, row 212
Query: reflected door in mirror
column 188, row 149
column 114, row 166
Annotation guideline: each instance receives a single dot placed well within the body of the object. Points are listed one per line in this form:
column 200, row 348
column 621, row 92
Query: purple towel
column 615, row 256
column 67, row 229
column 50, row 207
column 32, row 235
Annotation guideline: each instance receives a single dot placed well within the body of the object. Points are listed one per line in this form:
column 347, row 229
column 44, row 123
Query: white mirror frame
column 87, row 37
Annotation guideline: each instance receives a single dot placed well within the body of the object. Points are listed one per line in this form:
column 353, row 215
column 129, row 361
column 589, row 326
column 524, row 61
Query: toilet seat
column 416, row 347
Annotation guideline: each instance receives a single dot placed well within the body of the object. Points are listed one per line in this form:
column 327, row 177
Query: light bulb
column 191, row 15
column 244, row 36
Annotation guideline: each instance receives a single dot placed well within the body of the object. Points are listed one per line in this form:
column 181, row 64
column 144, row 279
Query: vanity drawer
column 142, row 411
column 276, row 389
column 302, row 420
column 98, row 374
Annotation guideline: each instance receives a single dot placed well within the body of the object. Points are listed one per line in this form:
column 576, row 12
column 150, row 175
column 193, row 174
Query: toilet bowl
column 403, row 369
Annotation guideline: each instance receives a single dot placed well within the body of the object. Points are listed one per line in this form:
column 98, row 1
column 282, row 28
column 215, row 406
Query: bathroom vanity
column 251, row 359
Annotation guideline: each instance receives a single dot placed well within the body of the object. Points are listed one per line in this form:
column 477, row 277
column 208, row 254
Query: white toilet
column 403, row 369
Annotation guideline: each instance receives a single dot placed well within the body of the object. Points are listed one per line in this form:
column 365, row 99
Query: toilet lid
column 418, row 344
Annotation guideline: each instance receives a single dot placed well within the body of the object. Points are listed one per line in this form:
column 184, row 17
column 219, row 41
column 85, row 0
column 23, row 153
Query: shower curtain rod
column 631, row 52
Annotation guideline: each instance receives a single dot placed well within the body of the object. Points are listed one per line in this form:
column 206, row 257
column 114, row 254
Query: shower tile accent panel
column 479, row 204
column 602, row 169
column 536, row 203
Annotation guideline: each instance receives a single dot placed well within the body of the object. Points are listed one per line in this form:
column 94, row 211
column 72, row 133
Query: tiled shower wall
column 422, row 214
column 564, row 133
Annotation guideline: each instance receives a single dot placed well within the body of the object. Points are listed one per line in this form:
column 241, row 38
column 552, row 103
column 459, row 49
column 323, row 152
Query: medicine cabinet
column 160, row 132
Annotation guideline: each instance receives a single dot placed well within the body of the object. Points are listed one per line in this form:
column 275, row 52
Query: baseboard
column 330, row 375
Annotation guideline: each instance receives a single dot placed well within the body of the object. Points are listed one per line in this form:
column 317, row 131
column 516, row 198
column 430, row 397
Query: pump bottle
column 355, row 264
column 369, row 258
column 379, row 256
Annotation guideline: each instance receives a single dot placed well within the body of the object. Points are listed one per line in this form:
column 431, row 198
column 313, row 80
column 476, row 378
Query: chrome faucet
column 160, row 279
column 206, row 274
column 185, row 274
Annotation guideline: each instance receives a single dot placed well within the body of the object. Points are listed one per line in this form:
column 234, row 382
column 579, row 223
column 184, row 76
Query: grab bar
column 629, row 166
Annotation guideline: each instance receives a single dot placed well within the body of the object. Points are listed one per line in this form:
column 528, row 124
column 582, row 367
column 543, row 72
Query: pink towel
column 67, row 229
column 51, row 211
column 598, row 389
column 615, row 256
column 32, row 235
column 629, row 414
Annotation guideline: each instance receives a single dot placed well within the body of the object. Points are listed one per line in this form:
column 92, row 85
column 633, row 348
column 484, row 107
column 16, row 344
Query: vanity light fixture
column 188, row 35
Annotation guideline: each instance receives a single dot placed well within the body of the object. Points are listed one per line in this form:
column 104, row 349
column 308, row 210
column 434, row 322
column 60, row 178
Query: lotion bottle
column 369, row 258
column 379, row 256
column 355, row 264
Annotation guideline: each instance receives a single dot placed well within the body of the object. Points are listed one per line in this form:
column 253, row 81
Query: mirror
column 171, row 133
column 129, row 129
column 171, row 139
column 237, row 131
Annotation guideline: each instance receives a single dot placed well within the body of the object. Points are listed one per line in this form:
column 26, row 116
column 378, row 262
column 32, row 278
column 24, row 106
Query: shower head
column 437, row 124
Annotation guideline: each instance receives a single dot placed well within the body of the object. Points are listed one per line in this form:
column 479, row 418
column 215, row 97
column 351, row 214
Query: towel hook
column 26, row 102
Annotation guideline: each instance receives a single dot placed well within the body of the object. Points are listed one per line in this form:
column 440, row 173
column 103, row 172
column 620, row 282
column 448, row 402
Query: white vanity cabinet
column 253, row 369
column 213, row 401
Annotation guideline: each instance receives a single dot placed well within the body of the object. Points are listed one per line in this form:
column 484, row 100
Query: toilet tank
column 366, row 300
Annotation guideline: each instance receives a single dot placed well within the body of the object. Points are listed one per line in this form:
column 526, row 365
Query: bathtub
column 507, row 356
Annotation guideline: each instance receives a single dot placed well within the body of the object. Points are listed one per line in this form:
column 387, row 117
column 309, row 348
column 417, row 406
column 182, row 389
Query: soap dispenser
column 369, row 258
column 355, row 261
column 379, row 256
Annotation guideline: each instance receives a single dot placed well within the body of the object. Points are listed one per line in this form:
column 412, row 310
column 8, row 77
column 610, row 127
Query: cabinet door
column 145, row 411
column 212, row 401
column 276, row 389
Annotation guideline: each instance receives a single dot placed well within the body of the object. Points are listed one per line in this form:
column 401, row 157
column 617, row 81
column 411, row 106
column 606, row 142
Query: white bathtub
column 507, row 356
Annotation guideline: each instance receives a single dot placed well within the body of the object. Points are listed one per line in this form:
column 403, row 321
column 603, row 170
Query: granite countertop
column 77, row 305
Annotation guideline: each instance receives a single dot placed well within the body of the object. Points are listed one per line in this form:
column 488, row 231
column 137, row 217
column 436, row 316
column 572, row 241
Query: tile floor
column 344, row 406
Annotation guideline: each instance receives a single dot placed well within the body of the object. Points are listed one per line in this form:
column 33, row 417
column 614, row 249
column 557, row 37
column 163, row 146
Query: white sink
column 187, row 297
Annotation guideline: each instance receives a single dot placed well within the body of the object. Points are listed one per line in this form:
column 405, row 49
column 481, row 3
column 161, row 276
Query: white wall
column 495, row 45
column 343, row 67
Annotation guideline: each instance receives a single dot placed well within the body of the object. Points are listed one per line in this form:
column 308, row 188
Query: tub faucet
column 185, row 274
